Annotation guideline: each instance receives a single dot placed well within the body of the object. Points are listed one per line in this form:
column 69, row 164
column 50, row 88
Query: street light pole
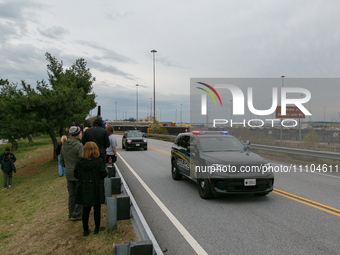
column 116, row 111
column 176, row 117
column 154, row 86
column 181, row 113
column 137, row 103
column 151, row 107
column 281, row 106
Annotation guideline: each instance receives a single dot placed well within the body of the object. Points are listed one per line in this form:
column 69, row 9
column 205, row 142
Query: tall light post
column 154, row 86
column 137, row 103
column 116, row 111
column 176, row 116
column 181, row 113
column 151, row 107
column 281, row 106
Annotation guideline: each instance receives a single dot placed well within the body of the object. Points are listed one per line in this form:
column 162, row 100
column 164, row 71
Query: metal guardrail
column 158, row 135
column 310, row 153
column 140, row 226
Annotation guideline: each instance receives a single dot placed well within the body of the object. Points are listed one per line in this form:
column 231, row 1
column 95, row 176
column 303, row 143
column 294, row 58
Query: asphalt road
column 292, row 222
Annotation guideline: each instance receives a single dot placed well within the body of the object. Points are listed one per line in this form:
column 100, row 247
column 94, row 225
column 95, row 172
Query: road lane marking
column 164, row 152
column 192, row 242
column 293, row 197
column 300, row 171
column 308, row 202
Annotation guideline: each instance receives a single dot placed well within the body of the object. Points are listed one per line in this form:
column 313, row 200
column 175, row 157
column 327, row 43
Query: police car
column 134, row 139
column 220, row 164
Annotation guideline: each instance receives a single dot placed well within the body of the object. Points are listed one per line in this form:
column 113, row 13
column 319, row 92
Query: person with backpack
column 5, row 154
column 98, row 135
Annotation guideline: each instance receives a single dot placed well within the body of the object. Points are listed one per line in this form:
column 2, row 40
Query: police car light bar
column 198, row 132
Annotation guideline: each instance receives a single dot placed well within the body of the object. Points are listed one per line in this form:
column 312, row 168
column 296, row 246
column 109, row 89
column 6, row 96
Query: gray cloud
column 109, row 69
column 107, row 54
column 15, row 14
column 22, row 62
column 53, row 32
column 167, row 62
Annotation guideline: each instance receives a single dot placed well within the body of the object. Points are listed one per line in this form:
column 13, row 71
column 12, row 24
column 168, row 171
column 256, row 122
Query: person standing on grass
column 5, row 154
column 70, row 152
column 111, row 151
column 98, row 135
column 61, row 169
column 90, row 171
column 7, row 168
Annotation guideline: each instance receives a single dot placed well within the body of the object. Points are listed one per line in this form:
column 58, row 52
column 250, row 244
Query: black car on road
column 220, row 164
column 134, row 139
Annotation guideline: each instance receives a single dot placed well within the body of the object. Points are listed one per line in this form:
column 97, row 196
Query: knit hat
column 7, row 149
column 74, row 131
column 98, row 122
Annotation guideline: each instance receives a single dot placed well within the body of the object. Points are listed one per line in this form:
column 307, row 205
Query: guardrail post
column 123, row 208
column 141, row 248
column 116, row 184
column 111, row 170
column 134, row 248
column 111, row 220
column 107, row 186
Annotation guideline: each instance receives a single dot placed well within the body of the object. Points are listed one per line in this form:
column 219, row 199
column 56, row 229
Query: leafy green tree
column 67, row 99
column 157, row 128
column 311, row 141
column 14, row 123
column 48, row 107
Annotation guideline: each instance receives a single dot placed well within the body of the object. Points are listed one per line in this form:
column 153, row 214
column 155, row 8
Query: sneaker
column 74, row 217
column 9, row 186
column 4, row 188
column 86, row 232
column 96, row 230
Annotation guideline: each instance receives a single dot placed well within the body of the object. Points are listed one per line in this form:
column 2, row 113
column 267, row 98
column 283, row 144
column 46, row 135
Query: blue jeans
column 61, row 169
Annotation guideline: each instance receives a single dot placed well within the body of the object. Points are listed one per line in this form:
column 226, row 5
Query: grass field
column 34, row 213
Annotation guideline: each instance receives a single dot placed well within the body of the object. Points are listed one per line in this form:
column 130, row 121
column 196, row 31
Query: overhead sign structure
column 292, row 112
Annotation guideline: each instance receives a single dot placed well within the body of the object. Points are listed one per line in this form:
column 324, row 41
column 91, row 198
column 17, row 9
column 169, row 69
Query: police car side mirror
column 248, row 142
column 192, row 149
column 247, row 148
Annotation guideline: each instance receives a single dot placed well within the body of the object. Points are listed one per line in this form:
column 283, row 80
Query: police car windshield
column 134, row 134
column 223, row 143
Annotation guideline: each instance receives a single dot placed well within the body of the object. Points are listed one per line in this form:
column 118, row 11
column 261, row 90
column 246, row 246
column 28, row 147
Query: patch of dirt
column 31, row 163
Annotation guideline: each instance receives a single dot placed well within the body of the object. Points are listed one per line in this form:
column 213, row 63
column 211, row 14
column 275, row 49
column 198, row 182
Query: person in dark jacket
column 90, row 172
column 5, row 154
column 7, row 168
column 61, row 169
column 98, row 135
column 70, row 152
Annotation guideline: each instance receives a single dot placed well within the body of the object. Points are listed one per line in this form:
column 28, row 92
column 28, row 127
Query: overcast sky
column 193, row 38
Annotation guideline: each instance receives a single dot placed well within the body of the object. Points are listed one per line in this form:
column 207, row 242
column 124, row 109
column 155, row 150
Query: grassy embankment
column 34, row 214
